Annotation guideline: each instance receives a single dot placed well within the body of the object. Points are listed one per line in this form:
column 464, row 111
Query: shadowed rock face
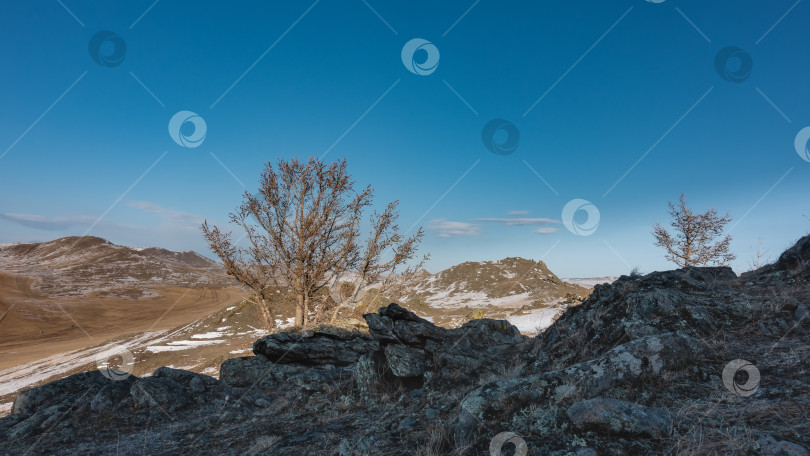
column 641, row 367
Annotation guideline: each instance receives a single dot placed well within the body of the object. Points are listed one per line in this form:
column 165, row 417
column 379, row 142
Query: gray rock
column 802, row 313
column 406, row 423
column 159, row 394
column 314, row 349
column 69, row 390
column 772, row 446
column 405, row 361
column 393, row 324
column 195, row 382
column 256, row 370
column 586, row 452
column 486, row 331
column 619, row 417
column 626, row 364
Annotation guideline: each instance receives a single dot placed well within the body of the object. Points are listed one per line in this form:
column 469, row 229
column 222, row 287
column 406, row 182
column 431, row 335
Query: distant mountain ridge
column 75, row 265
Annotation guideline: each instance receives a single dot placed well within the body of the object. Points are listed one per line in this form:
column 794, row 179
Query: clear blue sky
column 615, row 81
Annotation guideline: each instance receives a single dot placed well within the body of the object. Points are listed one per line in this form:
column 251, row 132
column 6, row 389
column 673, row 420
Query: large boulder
column 415, row 348
column 615, row 416
column 169, row 390
column 75, row 389
column 405, row 361
column 256, row 371
column 396, row 325
column 315, row 347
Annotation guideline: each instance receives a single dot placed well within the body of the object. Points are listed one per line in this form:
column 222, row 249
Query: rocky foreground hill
column 692, row 361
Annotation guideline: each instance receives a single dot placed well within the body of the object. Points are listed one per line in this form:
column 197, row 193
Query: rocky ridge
column 498, row 283
column 692, row 361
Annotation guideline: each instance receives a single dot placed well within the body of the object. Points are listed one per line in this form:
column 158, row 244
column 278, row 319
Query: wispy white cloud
column 59, row 223
column 517, row 213
column 519, row 220
column 447, row 228
column 174, row 219
column 172, row 216
column 547, row 230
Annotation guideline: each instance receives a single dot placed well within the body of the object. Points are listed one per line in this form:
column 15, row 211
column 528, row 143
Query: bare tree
column 759, row 258
column 303, row 230
column 694, row 242
column 375, row 266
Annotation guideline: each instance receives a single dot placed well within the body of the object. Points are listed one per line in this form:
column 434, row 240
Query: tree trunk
column 269, row 321
column 306, row 310
column 299, row 311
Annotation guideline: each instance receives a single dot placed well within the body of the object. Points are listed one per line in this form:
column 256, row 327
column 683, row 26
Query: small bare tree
column 303, row 230
column 694, row 242
column 759, row 258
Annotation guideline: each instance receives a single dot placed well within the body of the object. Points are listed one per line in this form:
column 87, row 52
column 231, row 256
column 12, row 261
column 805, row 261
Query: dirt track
column 33, row 326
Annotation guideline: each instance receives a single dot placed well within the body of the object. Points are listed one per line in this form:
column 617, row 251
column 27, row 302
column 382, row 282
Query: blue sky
column 597, row 91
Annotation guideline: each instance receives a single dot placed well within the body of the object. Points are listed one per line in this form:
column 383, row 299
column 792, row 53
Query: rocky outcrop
column 628, row 364
column 315, row 347
column 693, row 361
column 613, row 416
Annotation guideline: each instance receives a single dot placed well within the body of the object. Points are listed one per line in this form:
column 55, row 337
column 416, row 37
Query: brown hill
column 76, row 292
column 515, row 278
column 77, row 265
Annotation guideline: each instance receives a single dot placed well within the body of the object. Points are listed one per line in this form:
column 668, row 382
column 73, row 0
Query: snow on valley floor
column 189, row 347
column 527, row 322
column 534, row 321
column 22, row 376
column 590, row 282
column 452, row 300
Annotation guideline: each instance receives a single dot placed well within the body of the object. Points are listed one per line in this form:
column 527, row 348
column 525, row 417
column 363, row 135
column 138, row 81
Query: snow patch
column 208, row 335
column 536, row 320
column 29, row 374
column 179, row 345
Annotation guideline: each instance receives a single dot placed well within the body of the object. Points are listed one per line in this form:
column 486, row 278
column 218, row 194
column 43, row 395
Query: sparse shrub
column 476, row 314
column 418, row 303
column 572, row 299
